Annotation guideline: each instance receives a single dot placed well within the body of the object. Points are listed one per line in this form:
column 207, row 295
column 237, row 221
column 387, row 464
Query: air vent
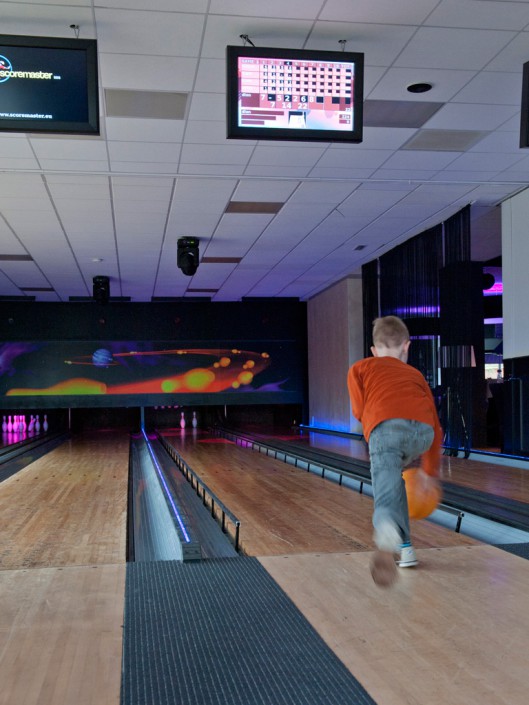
column 398, row 113
column 36, row 288
column 253, row 207
column 221, row 260
column 154, row 105
column 16, row 258
column 444, row 140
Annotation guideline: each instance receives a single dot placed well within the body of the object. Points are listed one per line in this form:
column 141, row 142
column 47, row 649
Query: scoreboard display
column 294, row 94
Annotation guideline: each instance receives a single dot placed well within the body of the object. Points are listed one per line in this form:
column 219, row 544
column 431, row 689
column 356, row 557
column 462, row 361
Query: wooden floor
column 455, row 630
column 62, row 575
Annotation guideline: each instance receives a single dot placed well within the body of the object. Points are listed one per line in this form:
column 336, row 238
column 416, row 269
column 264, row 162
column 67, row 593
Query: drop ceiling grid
column 142, row 130
column 223, row 30
column 299, row 9
column 406, row 11
column 264, row 155
column 241, row 285
column 446, row 83
column 266, row 190
column 482, row 15
column 45, row 18
column 381, row 43
column 471, row 116
column 453, row 48
column 146, row 32
column 476, row 161
column 24, row 274
column 236, row 233
column 150, row 152
column 210, row 276
column 154, row 73
column 483, row 94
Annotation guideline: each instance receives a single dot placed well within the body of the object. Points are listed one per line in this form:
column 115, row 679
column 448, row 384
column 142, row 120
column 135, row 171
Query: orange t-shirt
column 383, row 388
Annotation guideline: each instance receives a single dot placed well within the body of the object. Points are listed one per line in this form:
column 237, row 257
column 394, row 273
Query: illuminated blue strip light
column 164, row 485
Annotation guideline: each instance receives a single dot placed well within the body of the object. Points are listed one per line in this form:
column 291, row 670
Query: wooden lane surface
column 61, row 635
column 287, row 510
column 486, row 476
column 62, row 577
column 454, row 630
column 68, row 507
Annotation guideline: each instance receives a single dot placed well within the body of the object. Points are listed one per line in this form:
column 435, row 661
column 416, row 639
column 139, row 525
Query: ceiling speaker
column 187, row 255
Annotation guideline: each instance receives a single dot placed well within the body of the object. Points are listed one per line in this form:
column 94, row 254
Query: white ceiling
column 126, row 197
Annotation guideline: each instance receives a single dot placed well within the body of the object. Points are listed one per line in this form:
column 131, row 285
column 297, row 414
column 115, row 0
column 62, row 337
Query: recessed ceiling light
column 419, row 87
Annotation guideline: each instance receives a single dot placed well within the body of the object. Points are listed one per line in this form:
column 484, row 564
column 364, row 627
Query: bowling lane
column 68, row 507
column 284, row 509
column 484, row 475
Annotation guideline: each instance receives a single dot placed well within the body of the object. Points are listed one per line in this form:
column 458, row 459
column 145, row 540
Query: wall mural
column 121, row 370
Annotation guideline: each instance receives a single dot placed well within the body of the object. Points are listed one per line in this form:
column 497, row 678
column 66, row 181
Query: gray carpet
column 222, row 632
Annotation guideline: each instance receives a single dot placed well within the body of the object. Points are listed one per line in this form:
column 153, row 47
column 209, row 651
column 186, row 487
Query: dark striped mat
column 222, row 632
column 519, row 549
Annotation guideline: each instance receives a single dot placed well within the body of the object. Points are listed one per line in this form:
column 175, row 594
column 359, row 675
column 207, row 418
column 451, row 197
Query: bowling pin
column 9, row 424
column 182, row 420
column 31, row 426
column 37, row 424
column 194, row 421
column 4, row 425
column 45, row 424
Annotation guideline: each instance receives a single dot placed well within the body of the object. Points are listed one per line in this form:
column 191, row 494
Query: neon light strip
column 166, row 488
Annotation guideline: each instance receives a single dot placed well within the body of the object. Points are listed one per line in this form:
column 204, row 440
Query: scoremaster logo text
column 7, row 72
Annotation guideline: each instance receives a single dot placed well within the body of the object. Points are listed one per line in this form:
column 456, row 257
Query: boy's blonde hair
column 390, row 332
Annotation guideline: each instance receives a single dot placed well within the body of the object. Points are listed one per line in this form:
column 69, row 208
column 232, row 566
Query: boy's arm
column 356, row 392
column 431, row 460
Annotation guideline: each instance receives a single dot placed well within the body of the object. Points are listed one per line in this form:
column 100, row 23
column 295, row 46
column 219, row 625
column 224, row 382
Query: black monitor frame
column 524, row 114
column 237, row 131
column 89, row 126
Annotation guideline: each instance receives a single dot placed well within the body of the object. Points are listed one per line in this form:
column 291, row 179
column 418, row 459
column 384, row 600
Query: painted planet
column 102, row 358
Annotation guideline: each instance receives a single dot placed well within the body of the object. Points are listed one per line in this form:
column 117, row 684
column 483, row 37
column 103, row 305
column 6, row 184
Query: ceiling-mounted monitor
column 294, row 94
column 524, row 114
column 48, row 84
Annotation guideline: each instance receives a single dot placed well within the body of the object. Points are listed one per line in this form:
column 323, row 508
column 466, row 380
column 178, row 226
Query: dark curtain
column 409, row 285
column 369, row 301
column 409, row 277
column 409, row 288
column 457, row 237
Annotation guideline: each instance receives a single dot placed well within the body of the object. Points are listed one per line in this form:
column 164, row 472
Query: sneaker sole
column 411, row 564
column 383, row 568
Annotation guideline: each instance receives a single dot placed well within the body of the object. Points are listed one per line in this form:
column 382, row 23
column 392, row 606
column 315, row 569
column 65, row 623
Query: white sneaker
column 407, row 558
column 387, row 537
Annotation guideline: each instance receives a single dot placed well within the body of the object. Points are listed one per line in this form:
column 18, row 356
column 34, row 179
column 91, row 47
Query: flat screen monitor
column 524, row 114
column 48, row 84
column 293, row 94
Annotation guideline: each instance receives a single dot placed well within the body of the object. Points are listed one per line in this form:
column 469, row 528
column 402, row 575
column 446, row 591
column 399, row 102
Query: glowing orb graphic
column 102, row 358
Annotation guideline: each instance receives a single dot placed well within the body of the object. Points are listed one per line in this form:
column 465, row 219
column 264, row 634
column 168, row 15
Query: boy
column 396, row 408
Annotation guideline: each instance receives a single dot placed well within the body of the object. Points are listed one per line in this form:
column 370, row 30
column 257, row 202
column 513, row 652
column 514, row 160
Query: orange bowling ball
column 423, row 491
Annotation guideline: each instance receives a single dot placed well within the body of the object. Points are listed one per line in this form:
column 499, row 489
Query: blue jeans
column 392, row 445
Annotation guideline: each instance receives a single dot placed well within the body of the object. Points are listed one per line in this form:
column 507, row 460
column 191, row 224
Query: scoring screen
column 295, row 94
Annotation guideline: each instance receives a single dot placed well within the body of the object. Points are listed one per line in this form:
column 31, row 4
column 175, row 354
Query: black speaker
column 187, row 255
column 101, row 289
